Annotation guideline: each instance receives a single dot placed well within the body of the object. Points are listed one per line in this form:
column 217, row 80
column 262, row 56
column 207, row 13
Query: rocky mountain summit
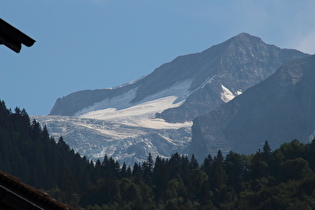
column 229, row 68
column 160, row 107
column 279, row 109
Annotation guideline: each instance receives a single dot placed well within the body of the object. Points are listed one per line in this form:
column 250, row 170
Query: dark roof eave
column 13, row 38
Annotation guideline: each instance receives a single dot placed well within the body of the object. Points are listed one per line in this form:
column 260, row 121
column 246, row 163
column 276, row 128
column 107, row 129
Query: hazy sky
column 95, row 44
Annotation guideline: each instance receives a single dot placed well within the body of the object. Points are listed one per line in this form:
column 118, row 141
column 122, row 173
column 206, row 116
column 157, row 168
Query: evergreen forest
column 282, row 178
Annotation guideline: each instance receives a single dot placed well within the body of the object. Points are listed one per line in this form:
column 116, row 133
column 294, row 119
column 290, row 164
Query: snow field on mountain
column 142, row 114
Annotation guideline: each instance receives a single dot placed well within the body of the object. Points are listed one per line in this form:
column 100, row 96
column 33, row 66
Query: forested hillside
column 282, row 179
column 28, row 152
column 279, row 179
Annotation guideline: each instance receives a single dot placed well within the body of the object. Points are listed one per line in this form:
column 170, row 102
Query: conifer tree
column 266, row 152
column 193, row 162
column 207, row 164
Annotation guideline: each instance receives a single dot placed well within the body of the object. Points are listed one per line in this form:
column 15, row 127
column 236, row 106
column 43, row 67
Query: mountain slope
column 237, row 64
column 159, row 108
column 278, row 109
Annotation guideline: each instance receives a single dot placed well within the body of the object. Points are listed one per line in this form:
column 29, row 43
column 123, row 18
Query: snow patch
column 237, row 93
column 155, row 123
column 178, row 90
column 118, row 102
column 226, row 94
column 143, row 109
column 141, row 115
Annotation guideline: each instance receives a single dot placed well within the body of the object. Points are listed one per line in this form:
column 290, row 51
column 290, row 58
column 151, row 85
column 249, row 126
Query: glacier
column 125, row 131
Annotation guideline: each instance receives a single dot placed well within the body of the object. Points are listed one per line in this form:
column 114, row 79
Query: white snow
column 237, row 93
column 146, row 108
column 161, row 124
column 113, row 133
column 178, row 90
column 119, row 110
column 226, row 94
column 140, row 115
column 118, row 102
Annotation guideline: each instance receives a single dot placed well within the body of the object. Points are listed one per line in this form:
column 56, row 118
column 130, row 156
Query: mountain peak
column 238, row 45
column 245, row 36
column 244, row 40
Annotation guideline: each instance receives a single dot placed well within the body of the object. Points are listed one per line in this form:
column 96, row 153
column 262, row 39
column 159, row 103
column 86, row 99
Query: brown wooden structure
column 14, row 194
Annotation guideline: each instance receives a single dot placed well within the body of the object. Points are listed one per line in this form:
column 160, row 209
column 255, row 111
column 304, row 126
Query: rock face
column 279, row 109
column 154, row 113
column 236, row 64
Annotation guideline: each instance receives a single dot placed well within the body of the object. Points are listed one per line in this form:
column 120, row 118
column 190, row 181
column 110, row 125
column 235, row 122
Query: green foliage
column 295, row 169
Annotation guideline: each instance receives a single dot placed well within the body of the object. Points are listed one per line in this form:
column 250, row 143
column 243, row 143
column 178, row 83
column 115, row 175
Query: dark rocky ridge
column 279, row 109
column 238, row 64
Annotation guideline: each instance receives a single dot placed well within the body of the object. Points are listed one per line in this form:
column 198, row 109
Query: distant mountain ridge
column 237, row 64
column 277, row 109
column 154, row 113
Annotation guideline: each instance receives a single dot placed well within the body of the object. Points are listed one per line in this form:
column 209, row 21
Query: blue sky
column 94, row 44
